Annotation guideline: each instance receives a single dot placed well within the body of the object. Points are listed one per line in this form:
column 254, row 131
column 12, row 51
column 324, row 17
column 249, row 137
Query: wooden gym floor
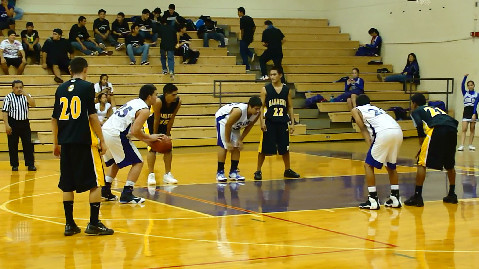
column 312, row 222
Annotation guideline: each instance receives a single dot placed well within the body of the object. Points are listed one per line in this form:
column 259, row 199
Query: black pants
column 20, row 129
column 35, row 53
column 276, row 56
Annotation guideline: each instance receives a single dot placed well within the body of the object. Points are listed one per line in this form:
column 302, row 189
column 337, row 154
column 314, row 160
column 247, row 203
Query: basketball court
column 311, row 222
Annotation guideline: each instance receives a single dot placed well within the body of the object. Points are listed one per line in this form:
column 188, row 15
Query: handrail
column 447, row 93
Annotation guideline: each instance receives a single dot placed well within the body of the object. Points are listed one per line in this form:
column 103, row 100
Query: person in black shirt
column 30, row 39
column 135, row 45
column 208, row 31
column 78, row 140
column 167, row 46
column 248, row 28
column 17, row 125
column 273, row 40
column 80, row 39
column 190, row 56
column 437, row 134
column 277, row 102
column 170, row 15
column 56, row 51
column 146, row 27
column 120, row 27
column 101, row 30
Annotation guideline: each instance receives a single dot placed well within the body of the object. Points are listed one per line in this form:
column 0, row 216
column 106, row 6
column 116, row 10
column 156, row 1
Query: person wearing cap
column 30, row 39
column 11, row 53
column 57, row 52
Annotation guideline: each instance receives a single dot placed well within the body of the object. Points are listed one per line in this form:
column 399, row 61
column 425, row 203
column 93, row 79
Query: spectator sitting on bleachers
column 146, row 27
column 171, row 15
column 11, row 52
column 190, row 56
column 103, row 108
column 209, row 31
column 18, row 11
column 80, row 39
column 6, row 15
column 103, row 86
column 101, row 31
column 410, row 72
column 56, row 54
column 156, row 15
column 374, row 48
column 353, row 87
column 30, row 42
column 167, row 46
column 120, row 27
column 135, row 45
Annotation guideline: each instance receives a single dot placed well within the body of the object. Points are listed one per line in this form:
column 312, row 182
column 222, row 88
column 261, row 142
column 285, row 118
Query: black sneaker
column 32, row 168
column 450, row 198
column 71, row 230
column 127, row 197
column 14, row 168
column 371, row 203
column 291, row 173
column 58, row 80
column 107, row 195
column 258, row 175
column 415, row 200
column 98, row 229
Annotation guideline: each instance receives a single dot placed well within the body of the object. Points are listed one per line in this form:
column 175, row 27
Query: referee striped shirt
column 16, row 106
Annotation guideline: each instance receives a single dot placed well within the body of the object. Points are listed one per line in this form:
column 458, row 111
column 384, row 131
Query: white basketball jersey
column 376, row 119
column 120, row 122
column 223, row 114
column 470, row 98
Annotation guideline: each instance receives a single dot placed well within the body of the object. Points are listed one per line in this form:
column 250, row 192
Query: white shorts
column 220, row 135
column 121, row 151
column 385, row 148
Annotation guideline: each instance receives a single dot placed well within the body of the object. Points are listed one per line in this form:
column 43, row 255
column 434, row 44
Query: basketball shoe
column 415, row 200
column 220, row 177
column 98, row 229
column 71, row 230
column 472, row 148
column 291, row 173
column 169, row 179
column 151, row 179
column 393, row 201
column 450, row 198
column 127, row 196
column 107, row 195
column 235, row 175
column 371, row 203
column 258, row 175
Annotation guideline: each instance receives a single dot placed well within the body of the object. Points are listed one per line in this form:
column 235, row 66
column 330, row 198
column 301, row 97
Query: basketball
column 162, row 146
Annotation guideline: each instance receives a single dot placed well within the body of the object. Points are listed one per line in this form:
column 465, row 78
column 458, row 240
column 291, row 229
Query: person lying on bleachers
column 374, row 48
column 57, row 52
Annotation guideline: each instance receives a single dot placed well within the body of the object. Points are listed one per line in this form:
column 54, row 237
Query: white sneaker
column 226, row 41
column 220, row 177
column 169, row 179
column 460, row 148
column 393, row 201
column 151, row 179
column 265, row 77
column 235, row 175
column 472, row 148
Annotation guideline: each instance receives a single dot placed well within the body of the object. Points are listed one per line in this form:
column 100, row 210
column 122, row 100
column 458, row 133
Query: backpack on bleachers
column 438, row 104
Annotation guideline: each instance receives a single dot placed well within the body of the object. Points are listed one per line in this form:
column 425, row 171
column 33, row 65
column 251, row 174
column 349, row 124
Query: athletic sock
column 94, row 212
column 452, row 189
column 68, row 207
column 129, row 183
column 418, row 190
column 234, row 165
column 395, row 190
column 108, row 179
column 373, row 192
column 221, row 166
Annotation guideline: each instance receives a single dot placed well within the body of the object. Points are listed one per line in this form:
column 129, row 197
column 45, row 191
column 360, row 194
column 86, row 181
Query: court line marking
column 277, row 218
column 4, row 208
column 30, row 179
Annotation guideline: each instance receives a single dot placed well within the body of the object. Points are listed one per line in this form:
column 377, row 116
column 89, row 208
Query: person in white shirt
column 128, row 121
column 104, row 86
column 230, row 119
column 103, row 108
column 384, row 136
column 11, row 53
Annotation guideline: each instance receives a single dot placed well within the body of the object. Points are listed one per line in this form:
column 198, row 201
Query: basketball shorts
column 467, row 114
column 14, row 61
column 81, row 168
column 276, row 138
column 149, row 126
column 439, row 148
column 385, row 148
column 220, row 136
column 121, row 151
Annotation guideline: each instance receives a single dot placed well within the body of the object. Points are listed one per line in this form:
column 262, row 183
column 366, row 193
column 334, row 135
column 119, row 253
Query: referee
column 15, row 117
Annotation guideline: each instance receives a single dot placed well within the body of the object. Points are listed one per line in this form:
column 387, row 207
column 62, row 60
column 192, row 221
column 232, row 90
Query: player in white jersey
column 128, row 121
column 384, row 136
column 230, row 119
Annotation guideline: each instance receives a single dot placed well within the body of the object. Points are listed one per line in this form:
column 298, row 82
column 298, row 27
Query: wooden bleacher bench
column 338, row 60
column 339, row 86
column 324, row 69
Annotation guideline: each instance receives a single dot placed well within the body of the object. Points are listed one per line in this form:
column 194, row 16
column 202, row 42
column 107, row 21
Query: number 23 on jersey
column 72, row 108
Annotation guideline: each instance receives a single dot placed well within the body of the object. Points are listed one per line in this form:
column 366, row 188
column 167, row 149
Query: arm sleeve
column 360, row 84
column 416, row 119
column 346, row 86
column 463, row 85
